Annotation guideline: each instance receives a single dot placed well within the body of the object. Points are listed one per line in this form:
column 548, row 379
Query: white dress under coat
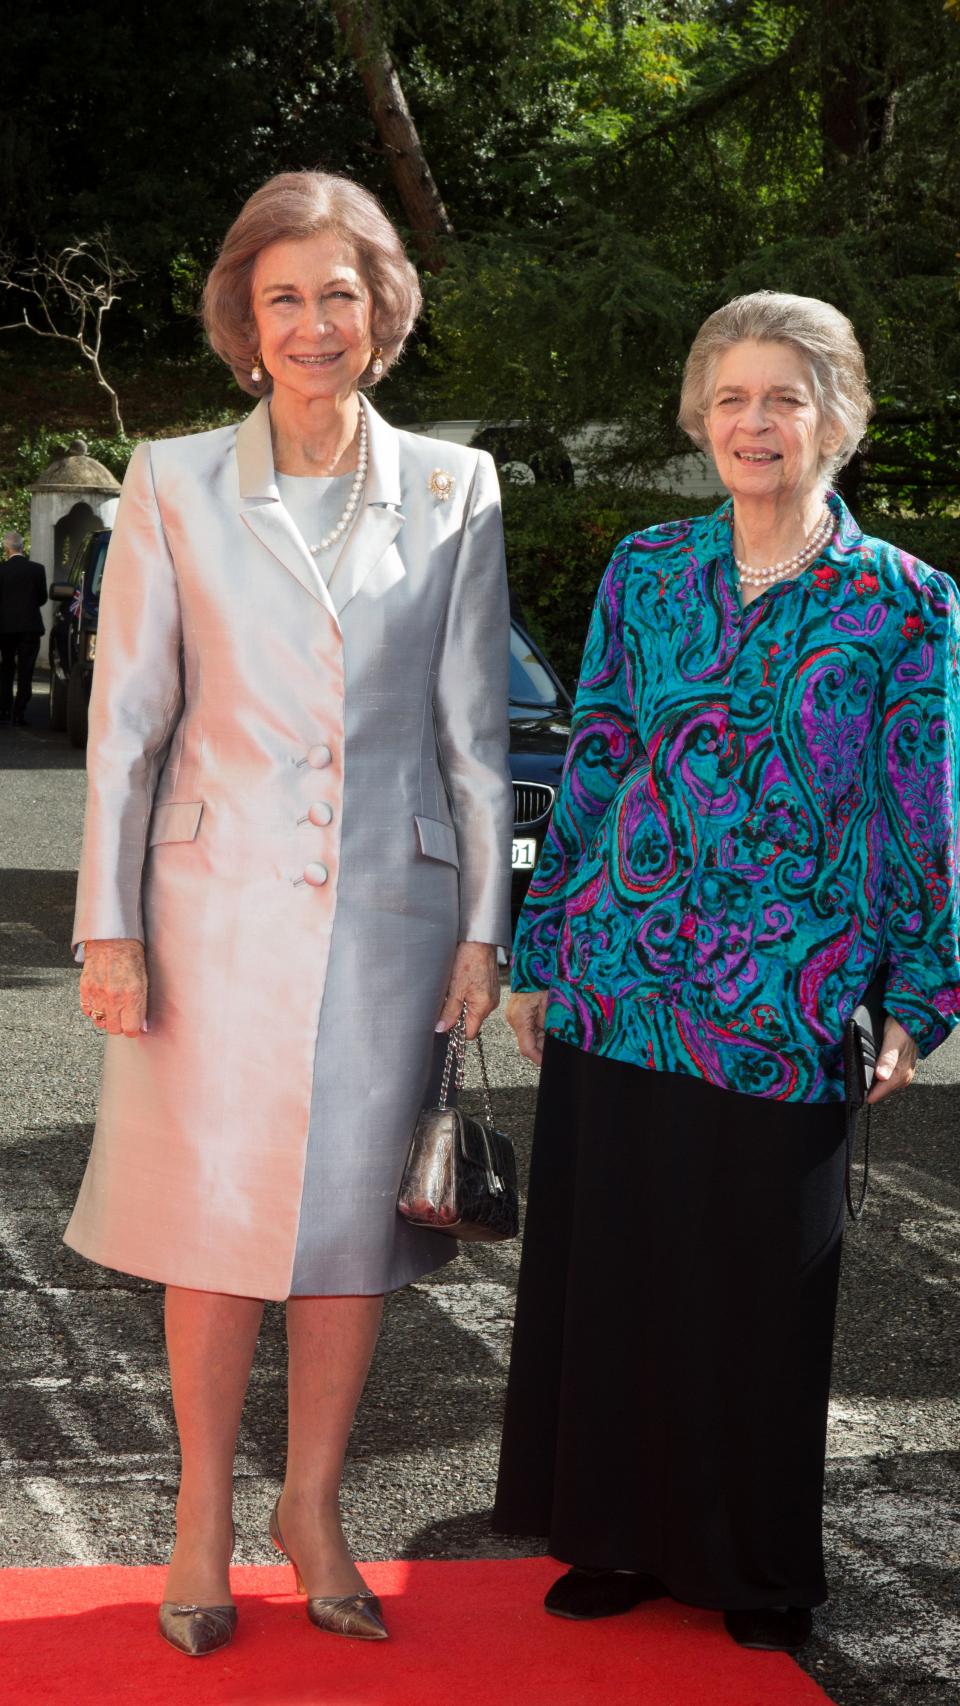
column 299, row 800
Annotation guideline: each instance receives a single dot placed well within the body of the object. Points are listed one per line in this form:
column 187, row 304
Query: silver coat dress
column 299, row 800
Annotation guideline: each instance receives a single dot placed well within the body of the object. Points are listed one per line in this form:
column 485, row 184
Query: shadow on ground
column 36, row 919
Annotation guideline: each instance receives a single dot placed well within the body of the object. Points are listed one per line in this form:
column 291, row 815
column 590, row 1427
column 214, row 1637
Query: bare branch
column 71, row 292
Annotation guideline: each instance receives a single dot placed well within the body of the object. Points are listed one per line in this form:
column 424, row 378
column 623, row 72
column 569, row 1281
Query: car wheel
column 58, row 699
column 78, row 698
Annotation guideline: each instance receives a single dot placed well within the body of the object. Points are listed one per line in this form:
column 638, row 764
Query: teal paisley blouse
column 759, row 808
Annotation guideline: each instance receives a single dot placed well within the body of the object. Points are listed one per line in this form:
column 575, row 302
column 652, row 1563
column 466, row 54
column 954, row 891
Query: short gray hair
column 297, row 205
column 818, row 332
column 12, row 537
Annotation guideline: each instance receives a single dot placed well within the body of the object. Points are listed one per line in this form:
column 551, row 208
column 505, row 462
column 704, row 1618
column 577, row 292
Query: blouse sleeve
column 920, row 778
column 604, row 745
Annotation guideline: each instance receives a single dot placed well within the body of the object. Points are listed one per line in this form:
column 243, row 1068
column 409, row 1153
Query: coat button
column 319, row 756
column 320, row 814
column 315, row 875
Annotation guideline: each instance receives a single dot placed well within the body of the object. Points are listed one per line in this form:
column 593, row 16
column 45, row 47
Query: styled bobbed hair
column 302, row 204
column 820, row 334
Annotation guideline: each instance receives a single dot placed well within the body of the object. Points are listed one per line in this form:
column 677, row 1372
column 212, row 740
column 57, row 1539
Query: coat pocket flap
column 175, row 820
column 437, row 840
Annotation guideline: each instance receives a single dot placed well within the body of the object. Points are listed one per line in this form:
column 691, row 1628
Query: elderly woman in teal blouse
column 759, row 813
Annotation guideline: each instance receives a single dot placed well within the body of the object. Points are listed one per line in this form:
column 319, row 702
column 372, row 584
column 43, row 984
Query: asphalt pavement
column 86, row 1432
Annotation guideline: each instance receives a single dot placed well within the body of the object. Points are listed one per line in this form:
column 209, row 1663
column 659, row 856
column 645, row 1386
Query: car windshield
column 530, row 683
column 100, row 557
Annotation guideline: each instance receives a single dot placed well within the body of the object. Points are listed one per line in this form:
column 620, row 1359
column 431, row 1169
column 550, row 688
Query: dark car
column 73, row 636
column 540, row 711
column 539, row 703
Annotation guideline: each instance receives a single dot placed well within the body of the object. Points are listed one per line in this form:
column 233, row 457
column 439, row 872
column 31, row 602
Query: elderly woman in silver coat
column 296, row 863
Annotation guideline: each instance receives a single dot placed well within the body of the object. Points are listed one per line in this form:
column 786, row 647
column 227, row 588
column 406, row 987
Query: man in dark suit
column 23, row 593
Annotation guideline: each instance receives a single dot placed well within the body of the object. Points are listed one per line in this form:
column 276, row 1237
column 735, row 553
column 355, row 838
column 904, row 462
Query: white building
column 73, row 497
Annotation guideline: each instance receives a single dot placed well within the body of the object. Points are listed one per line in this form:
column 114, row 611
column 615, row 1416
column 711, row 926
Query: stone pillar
column 73, row 497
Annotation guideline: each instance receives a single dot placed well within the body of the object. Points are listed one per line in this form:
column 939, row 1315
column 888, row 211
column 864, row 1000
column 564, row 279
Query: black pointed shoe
column 583, row 1593
column 770, row 1629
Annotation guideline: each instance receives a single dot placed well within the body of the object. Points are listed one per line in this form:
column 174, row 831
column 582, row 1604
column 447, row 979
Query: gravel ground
column 86, row 1431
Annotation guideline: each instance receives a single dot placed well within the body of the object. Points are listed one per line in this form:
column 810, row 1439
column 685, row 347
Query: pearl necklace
column 354, row 498
column 810, row 548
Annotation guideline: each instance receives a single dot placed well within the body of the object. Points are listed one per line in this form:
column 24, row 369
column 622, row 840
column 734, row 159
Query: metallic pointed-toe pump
column 359, row 1615
column 197, row 1629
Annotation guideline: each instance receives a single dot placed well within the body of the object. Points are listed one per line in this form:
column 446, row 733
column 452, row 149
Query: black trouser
column 18, row 656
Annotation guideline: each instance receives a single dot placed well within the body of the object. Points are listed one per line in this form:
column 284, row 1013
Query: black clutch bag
column 862, row 1038
column 461, row 1173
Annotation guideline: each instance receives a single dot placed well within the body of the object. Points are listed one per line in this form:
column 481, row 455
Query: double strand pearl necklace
column 811, row 548
column 350, row 506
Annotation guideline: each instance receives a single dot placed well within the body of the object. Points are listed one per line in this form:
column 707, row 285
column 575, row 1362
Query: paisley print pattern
column 759, row 808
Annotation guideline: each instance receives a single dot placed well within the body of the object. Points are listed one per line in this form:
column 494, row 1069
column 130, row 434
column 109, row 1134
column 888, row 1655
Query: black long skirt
column 667, row 1400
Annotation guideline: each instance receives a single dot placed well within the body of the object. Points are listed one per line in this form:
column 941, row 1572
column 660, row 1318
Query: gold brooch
column 441, row 484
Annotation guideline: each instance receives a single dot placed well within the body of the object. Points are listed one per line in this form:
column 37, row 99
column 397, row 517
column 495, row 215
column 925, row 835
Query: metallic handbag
column 461, row 1173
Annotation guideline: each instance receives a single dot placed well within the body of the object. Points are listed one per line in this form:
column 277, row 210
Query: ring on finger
column 98, row 1018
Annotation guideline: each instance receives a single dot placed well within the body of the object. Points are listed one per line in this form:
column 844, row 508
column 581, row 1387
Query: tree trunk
column 413, row 179
column 115, row 414
column 858, row 95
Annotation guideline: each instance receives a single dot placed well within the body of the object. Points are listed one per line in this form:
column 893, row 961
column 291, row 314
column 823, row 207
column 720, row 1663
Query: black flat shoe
column 781, row 1629
column 584, row 1593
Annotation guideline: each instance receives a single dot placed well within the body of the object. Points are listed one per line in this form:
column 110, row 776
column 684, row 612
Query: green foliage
column 614, row 170
column 915, row 458
column 40, row 448
column 158, row 120
column 15, row 509
column 700, row 151
column 35, row 453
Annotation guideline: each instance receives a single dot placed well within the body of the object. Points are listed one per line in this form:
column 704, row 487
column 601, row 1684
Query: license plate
column 524, row 853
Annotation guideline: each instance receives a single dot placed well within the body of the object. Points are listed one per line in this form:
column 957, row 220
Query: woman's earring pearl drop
column 376, row 369
column 256, row 371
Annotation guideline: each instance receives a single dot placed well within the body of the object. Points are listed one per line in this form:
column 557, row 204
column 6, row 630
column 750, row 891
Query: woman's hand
column 474, row 983
column 525, row 1015
column 896, row 1062
column 113, row 986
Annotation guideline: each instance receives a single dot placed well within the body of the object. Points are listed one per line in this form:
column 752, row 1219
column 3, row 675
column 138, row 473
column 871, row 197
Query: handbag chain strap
column 855, row 1208
column 454, row 1066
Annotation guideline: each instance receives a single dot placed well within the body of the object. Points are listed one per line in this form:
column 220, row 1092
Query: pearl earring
column 377, row 367
column 256, row 371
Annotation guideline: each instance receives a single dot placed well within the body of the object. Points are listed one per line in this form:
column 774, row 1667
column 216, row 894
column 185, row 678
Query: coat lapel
column 367, row 549
column 262, row 510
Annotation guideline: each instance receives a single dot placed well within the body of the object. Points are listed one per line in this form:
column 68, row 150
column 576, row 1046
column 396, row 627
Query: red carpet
column 462, row 1634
